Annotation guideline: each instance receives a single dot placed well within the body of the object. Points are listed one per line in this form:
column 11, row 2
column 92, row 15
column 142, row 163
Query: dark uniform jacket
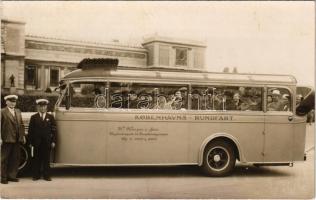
column 11, row 126
column 40, row 129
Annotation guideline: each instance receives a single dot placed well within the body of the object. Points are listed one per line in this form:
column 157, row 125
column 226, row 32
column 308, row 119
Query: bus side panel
column 151, row 142
column 247, row 130
column 278, row 138
column 81, row 139
column 299, row 141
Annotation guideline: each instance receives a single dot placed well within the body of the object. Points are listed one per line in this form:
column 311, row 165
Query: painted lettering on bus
column 161, row 117
column 213, row 118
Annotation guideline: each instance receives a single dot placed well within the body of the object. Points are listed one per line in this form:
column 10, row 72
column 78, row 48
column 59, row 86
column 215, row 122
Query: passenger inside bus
column 132, row 104
column 253, row 99
column 236, row 102
column 226, row 98
column 195, row 100
column 269, row 98
column 276, row 104
column 162, row 103
column 144, row 100
column 286, row 102
column 176, row 101
column 299, row 98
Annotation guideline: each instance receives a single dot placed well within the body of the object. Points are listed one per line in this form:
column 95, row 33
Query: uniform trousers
column 41, row 159
column 10, row 160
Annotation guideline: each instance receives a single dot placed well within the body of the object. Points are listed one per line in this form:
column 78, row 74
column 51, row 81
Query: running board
column 273, row 164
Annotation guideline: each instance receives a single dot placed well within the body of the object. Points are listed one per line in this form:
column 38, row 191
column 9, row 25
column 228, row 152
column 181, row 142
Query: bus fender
column 218, row 135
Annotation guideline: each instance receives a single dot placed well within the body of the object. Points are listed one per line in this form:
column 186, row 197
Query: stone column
column 42, row 77
column 46, row 78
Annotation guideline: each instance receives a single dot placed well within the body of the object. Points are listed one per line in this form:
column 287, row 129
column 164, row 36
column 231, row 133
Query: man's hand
column 53, row 144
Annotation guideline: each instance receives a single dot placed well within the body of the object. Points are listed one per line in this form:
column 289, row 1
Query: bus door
column 279, row 127
column 81, row 124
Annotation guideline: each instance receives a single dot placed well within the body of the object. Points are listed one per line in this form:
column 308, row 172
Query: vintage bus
column 115, row 116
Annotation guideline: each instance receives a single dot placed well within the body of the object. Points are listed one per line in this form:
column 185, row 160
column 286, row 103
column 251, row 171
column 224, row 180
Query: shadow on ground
column 166, row 171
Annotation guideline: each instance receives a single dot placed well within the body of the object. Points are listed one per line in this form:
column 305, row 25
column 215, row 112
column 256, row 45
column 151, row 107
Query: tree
column 226, row 70
column 235, row 70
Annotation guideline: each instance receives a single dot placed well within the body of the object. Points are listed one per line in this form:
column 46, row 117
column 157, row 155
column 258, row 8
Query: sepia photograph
column 157, row 99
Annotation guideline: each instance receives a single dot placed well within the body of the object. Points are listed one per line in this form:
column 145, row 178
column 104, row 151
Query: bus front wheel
column 218, row 159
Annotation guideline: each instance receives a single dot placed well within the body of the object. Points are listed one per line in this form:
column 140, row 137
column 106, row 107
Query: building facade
column 36, row 64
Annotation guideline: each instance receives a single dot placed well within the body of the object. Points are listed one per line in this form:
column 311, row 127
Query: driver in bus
column 286, row 102
column 276, row 104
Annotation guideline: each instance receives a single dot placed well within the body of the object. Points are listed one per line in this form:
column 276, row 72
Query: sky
column 255, row 37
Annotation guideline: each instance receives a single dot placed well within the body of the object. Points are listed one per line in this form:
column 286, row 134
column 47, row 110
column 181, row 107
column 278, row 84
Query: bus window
column 119, row 95
column 148, row 96
column 201, row 98
column 251, row 98
column 278, row 99
column 226, row 98
column 88, row 94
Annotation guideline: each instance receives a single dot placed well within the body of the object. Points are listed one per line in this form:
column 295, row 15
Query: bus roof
column 154, row 74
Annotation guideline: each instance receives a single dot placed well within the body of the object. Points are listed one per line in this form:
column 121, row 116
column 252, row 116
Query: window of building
column 181, row 56
column 54, row 77
column 31, row 75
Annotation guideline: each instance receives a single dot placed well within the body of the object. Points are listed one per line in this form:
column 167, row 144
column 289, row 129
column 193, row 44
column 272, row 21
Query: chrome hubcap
column 217, row 158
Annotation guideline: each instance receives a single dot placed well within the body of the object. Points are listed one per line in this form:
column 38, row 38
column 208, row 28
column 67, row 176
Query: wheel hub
column 217, row 158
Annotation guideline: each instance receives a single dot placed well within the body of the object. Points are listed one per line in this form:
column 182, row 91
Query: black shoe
column 47, row 179
column 4, row 182
column 13, row 179
column 35, row 178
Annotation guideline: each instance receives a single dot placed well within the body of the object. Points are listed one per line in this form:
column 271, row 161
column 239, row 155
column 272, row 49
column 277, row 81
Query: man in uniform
column 12, row 133
column 42, row 135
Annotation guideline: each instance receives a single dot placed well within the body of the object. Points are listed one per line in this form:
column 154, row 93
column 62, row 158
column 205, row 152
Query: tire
column 25, row 160
column 218, row 159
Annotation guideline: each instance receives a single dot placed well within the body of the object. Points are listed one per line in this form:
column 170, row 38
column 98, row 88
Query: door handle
column 290, row 118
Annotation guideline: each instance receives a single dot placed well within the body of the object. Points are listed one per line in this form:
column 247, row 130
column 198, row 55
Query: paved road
column 172, row 182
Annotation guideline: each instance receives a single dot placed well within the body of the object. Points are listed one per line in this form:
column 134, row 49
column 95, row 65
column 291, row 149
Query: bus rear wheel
column 218, row 159
column 25, row 158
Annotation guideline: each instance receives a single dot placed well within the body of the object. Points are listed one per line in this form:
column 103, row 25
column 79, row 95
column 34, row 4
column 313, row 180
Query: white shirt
column 42, row 115
column 12, row 111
